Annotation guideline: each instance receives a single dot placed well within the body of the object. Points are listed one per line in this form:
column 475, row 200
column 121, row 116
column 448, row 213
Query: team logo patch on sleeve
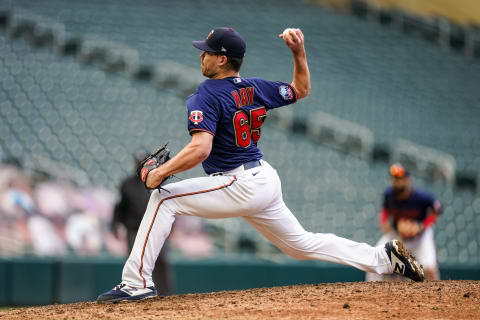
column 286, row 92
column 196, row 116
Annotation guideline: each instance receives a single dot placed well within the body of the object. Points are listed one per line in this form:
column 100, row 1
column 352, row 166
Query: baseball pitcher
column 225, row 116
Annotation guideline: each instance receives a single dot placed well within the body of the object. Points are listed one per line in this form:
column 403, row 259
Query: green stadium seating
column 397, row 86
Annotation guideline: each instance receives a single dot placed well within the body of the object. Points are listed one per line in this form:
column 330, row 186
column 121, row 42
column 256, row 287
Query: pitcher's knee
column 296, row 252
column 300, row 247
column 299, row 255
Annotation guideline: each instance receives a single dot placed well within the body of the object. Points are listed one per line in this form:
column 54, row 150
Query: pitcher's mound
column 359, row 300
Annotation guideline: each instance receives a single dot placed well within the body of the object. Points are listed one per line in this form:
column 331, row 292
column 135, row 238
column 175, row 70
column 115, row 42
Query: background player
column 409, row 214
column 225, row 116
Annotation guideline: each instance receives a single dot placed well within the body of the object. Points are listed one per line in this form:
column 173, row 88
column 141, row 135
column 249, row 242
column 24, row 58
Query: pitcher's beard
column 209, row 74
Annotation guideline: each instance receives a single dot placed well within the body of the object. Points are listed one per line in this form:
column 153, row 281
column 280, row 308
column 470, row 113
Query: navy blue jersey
column 417, row 206
column 233, row 110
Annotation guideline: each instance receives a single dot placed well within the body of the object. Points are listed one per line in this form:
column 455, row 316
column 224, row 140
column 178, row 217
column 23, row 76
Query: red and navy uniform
column 233, row 110
column 419, row 206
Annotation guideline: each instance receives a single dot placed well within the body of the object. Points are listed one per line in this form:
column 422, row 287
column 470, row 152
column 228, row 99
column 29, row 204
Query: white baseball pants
column 256, row 196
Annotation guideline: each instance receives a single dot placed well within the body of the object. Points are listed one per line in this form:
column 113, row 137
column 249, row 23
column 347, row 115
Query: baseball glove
column 408, row 228
column 152, row 162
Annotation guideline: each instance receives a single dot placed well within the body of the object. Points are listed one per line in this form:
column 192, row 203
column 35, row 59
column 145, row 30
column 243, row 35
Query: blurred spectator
column 51, row 199
column 47, row 228
column 52, row 217
column 190, row 238
column 14, row 205
column 16, row 197
column 128, row 212
column 44, row 236
column 409, row 214
column 84, row 233
column 86, row 230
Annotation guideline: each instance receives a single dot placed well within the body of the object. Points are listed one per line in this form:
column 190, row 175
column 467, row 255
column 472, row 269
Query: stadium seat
column 394, row 85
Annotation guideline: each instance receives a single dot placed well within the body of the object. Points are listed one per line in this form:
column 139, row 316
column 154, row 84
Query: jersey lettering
column 237, row 134
column 247, row 128
column 243, row 96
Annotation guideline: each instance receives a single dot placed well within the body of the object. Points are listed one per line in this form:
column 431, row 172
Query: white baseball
column 289, row 32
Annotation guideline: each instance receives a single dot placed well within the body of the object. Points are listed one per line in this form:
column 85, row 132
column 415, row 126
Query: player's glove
column 408, row 228
column 152, row 162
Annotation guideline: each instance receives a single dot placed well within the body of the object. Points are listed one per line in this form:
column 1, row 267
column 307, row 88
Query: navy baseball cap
column 225, row 41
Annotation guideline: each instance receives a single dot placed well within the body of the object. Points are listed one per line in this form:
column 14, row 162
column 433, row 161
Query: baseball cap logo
column 210, row 34
column 223, row 40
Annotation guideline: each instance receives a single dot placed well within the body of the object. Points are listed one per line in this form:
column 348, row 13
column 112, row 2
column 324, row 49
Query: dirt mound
column 359, row 300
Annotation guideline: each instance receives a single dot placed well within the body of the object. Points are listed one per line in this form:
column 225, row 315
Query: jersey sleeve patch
column 286, row 92
column 196, row 116
column 275, row 94
column 202, row 114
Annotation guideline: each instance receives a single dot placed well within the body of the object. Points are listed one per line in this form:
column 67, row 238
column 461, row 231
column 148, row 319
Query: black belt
column 246, row 166
column 251, row 164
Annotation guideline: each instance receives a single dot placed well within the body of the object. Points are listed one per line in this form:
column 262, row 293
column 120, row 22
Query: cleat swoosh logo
column 128, row 290
column 254, row 174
